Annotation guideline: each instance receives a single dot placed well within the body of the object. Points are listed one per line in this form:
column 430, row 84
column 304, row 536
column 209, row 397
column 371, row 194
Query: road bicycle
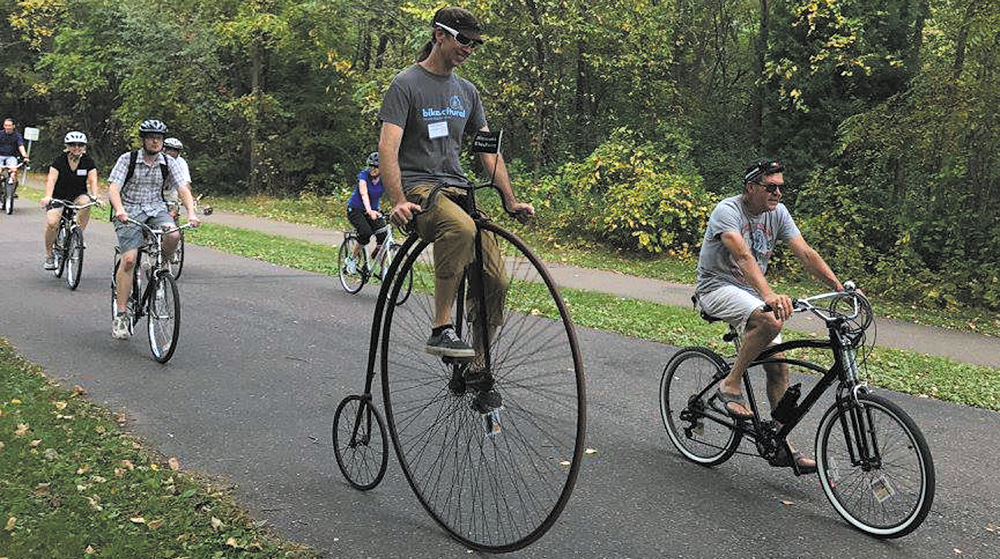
column 160, row 301
column 67, row 250
column 873, row 462
column 494, row 477
column 177, row 260
column 356, row 271
column 8, row 188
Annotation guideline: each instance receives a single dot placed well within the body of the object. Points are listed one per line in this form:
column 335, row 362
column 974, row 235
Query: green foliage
column 630, row 195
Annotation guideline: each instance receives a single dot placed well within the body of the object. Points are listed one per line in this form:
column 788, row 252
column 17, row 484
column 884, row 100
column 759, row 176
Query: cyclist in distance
column 173, row 148
column 72, row 176
column 739, row 240
column 426, row 113
column 135, row 190
column 11, row 143
column 363, row 211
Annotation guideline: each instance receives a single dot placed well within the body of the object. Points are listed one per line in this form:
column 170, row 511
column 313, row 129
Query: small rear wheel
column 352, row 269
column 360, row 443
column 74, row 259
column 164, row 317
column 694, row 418
column 889, row 494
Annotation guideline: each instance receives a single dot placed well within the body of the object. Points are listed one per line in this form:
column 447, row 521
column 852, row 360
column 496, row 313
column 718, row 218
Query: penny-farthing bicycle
column 495, row 478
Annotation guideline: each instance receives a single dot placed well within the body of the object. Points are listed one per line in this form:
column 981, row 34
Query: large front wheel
column 491, row 447
column 875, row 466
column 164, row 317
column 694, row 418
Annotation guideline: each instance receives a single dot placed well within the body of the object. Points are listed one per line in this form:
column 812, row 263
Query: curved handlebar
column 803, row 305
column 72, row 206
column 158, row 232
column 436, row 191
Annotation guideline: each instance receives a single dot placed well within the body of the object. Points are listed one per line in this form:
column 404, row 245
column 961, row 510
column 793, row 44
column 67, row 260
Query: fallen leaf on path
column 22, row 430
column 784, row 502
column 174, row 464
column 155, row 524
column 60, row 405
column 217, row 524
column 10, row 523
column 128, row 464
column 35, row 442
column 79, row 390
column 590, row 451
column 51, row 454
column 231, row 542
column 138, row 519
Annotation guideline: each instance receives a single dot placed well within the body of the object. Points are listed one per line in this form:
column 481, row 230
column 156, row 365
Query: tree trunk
column 256, row 69
column 756, row 126
column 542, row 109
column 383, row 46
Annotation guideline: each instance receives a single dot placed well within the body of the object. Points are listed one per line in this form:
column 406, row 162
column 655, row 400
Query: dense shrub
column 628, row 194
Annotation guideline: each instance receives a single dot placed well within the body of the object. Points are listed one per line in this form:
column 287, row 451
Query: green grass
column 329, row 212
column 73, row 480
column 898, row 370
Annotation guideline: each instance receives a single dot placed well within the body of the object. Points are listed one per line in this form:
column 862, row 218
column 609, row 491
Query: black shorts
column 366, row 226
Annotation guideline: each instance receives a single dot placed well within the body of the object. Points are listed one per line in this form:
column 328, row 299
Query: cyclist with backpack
column 135, row 190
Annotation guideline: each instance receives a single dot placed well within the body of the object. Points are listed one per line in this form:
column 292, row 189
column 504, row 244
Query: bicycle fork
column 859, row 434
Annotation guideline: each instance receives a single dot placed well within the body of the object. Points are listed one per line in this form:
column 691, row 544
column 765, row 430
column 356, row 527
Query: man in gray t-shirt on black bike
column 739, row 240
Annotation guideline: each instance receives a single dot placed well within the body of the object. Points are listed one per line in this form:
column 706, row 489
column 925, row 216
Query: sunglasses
column 71, row 144
column 461, row 38
column 772, row 188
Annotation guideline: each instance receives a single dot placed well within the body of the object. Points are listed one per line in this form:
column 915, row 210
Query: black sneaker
column 487, row 401
column 447, row 344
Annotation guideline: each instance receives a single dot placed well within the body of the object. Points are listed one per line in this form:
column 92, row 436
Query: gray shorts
column 8, row 161
column 130, row 235
column 732, row 305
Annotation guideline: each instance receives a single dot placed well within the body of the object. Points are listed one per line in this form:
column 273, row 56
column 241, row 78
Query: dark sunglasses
column 373, row 166
column 461, row 38
column 772, row 188
column 76, row 144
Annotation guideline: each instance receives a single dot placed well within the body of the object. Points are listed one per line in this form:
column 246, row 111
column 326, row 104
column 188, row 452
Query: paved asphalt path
column 266, row 353
column 964, row 347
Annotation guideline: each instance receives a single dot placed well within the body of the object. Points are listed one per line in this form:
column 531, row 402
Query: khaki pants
column 453, row 234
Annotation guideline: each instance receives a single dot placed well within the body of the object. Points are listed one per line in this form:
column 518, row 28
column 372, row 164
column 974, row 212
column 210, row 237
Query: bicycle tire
column 357, row 454
column 880, row 493
column 407, row 287
column 59, row 250
column 74, row 259
column 177, row 260
column 494, row 486
column 11, row 189
column 698, row 428
column 163, row 317
column 351, row 281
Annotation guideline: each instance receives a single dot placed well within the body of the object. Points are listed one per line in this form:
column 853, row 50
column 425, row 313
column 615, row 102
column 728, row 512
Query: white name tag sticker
column 81, row 172
column 437, row 129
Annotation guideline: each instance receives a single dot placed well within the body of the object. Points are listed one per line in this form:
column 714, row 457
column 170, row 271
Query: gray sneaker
column 448, row 344
column 50, row 263
column 120, row 327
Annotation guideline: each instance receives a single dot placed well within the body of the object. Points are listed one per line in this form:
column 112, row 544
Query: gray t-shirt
column 716, row 265
column 435, row 112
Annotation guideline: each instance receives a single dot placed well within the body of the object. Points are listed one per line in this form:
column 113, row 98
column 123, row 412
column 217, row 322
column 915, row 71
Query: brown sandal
column 727, row 399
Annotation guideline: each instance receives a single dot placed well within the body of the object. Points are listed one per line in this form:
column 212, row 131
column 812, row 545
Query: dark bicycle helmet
column 373, row 159
column 762, row 168
column 152, row 126
column 173, row 143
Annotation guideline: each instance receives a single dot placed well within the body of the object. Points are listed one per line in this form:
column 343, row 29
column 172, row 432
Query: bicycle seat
column 704, row 315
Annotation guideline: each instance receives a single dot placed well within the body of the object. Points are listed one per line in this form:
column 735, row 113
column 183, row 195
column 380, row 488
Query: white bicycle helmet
column 152, row 126
column 173, row 143
column 75, row 137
